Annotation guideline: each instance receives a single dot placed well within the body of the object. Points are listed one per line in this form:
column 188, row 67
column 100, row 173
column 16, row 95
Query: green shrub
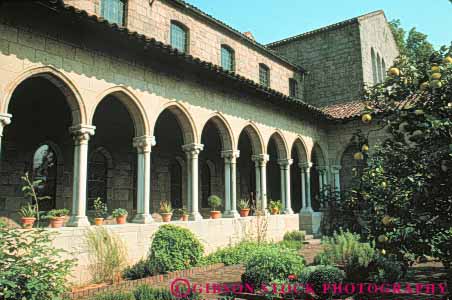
column 146, row 292
column 345, row 249
column 107, row 254
column 174, row 248
column 114, row 296
column 324, row 275
column 30, row 267
column 214, row 202
column 271, row 263
column 386, row 270
column 295, row 235
column 291, row 244
column 139, row 270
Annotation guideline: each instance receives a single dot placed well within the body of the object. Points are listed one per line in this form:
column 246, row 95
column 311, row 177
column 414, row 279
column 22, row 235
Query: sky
column 272, row 20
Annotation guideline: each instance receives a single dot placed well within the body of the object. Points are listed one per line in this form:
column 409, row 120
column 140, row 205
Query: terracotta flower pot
column 57, row 222
column 184, row 218
column 27, row 222
column 244, row 212
column 215, row 214
column 121, row 219
column 99, row 221
column 275, row 211
column 166, row 217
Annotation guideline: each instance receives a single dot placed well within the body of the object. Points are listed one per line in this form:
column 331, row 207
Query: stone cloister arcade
column 132, row 157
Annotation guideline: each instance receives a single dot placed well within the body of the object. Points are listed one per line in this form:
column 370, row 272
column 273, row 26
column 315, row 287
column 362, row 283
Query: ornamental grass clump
column 107, row 255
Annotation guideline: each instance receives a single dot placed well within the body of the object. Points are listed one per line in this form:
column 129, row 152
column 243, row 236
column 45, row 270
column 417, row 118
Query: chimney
column 249, row 35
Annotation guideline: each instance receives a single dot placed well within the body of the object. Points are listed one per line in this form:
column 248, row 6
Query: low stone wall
column 212, row 233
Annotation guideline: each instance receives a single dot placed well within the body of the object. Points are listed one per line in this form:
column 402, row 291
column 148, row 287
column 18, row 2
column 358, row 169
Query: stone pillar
column 81, row 135
column 261, row 163
column 5, row 119
column 192, row 151
column 322, row 183
column 310, row 220
column 306, row 170
column 285, row 184
column 336, row 172
column 143, row 145
column 230, row 173
column 303, row 187
column 258, row 184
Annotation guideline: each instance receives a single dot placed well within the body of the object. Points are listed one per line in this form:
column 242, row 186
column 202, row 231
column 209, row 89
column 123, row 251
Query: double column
column 284, row 165
column 260, row 162
column 81, row 135
column 143, row 145
column 306, row 202
column 230, row 182
column 323, row 182
column 5, row 119
column 336, row 171
column 192, row 152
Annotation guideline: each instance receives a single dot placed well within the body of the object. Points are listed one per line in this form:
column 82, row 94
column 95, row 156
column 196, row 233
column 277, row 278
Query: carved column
column 230, row 163
column 261, row 165
column 143, row 145
column 285, row 184
column 306, row 174
column 336, row 171
column 5, row 119
column 81, row 135
column 192, row 151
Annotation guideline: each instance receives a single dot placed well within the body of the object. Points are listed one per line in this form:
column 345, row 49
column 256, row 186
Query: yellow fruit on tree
column 436, row 76
column 436, row 83
column 366, row 118
column 418, row 112
column 386, row 220
column 383, row 252
column 365, row 148
column 435, row 69
column 358, row 156
column 394, row 71
column 425, row 85
column 384, row 184
column 382, row 238
column 448, row 60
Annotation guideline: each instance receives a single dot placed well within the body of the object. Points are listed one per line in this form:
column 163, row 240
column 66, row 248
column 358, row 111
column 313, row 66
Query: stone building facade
column 99, row 109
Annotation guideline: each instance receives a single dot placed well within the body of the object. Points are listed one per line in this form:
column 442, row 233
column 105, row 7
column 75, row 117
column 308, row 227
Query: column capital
column 321, row 169
column 305, row 166
column 336, row 168
column 230, row 156
column 261, row 159
column 81, row 133
column 5, row 119
column 285, row 162
column 192, row 149
column 144, row 143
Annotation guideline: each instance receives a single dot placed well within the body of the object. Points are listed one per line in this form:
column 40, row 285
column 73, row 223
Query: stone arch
column 281, row 145
column 255, row 136
column 299, row 146
column 105, row 153
column 317, row 153
column 61, row 81
column 185, row 120
column 224, row 129
column 132, row 103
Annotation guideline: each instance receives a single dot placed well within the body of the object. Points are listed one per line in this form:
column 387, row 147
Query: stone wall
column 212, row 233
column 205, row 38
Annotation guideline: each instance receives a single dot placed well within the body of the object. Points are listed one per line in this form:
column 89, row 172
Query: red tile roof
column 344, row 110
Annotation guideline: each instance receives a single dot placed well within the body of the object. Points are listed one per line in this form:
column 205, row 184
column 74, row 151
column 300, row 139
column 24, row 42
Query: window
column 179, row 37
column 293, row 88
column 264, row 75
column 113, row 11
column 227, row 58
column 45, row 169
column 97, row 178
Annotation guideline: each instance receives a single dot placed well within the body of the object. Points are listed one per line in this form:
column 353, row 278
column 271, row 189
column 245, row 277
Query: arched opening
column 115, row 130
column 299, row 156
column 350, row 167
column 98, row 167
column 318, row 162
column 41, row 113
column 273, row 173
column 206, row 185
column 374, row 66
column 176, row 183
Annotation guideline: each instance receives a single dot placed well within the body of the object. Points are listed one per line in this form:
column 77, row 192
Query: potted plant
column 100, row 211
column 28, row 215
column 244, row 208
column 57, row 216
column 215, row 203
column 121, row 215
column 275, row 207
column 184, row 214
column 166, row 210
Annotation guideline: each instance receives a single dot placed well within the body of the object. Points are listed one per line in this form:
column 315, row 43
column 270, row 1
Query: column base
column 310, row 221
column 78, row 221
column 288, row 211
column 306, row 210
column 231, row 214
column 142, row 219
column 195, row 216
